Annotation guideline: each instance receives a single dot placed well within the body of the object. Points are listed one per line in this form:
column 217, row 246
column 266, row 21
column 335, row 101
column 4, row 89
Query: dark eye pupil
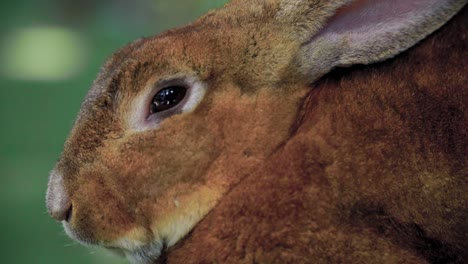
column 167, row 98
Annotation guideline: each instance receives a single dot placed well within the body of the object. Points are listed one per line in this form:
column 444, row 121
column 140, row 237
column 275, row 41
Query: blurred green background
column 50, row 52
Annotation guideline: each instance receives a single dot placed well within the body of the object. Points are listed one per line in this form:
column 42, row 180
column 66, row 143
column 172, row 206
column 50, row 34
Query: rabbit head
column 173, row 122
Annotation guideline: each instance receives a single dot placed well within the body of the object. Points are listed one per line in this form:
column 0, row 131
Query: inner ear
column 368, row 31
column 367, row 16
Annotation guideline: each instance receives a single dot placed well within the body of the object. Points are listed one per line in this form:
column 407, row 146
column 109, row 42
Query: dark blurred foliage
column 50, row 52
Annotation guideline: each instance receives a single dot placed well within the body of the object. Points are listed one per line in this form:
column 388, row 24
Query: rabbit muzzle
column 58, row 201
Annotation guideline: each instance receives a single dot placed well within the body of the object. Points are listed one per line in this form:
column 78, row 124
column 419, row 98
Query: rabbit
column 277, row 131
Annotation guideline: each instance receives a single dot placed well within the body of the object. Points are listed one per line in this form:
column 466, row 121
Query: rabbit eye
column 167, row 98
column 164, row 98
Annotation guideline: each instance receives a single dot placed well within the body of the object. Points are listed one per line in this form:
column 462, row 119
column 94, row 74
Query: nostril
column 68, row 214
column 62, row 213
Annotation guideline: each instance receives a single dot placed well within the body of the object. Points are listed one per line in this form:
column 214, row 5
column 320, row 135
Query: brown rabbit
column 217, row 143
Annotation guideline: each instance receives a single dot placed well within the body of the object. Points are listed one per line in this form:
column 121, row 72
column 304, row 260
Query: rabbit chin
column 135, row 251
column 144, row 254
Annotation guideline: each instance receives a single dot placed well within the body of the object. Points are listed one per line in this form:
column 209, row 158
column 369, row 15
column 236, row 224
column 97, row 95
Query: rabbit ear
column 367, row 31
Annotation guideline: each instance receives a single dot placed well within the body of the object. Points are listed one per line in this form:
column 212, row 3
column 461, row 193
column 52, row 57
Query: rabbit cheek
column 159, row 175
column 99, row 212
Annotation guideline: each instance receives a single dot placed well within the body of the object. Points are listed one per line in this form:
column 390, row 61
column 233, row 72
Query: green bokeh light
column 42, row 53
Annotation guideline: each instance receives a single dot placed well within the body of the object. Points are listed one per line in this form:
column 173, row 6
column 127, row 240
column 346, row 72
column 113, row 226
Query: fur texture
column 365, row 165
column 374, row 171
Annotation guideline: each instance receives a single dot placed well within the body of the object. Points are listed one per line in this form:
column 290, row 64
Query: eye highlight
column 167, row 98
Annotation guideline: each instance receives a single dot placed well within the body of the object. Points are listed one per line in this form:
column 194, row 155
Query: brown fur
column 366, row 165
column 375, row 173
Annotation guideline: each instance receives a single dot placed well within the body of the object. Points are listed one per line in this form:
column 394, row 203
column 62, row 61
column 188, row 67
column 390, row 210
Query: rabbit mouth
column 79, row 236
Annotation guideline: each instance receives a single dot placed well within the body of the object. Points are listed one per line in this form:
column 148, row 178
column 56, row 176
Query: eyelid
column 197, row 92
column 164, row 83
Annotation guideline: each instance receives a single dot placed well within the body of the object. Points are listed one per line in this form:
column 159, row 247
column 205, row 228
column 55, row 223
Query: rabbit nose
column 58, row 202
